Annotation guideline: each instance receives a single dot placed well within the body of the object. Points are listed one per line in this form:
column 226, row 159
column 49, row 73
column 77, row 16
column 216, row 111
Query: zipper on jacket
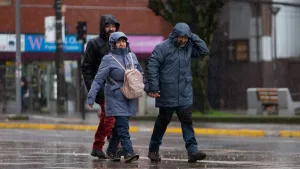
column 178, row 77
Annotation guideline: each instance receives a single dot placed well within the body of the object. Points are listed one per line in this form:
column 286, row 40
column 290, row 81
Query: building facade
column 144, row 29
column 250, row 54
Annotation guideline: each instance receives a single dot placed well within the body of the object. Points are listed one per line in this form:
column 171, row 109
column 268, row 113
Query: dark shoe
column 99, row 154
column 154, row 156
column 113, row 156
column 130, row 157
column 193, row 157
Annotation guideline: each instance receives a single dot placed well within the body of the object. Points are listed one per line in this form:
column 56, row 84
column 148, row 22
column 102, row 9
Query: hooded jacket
column 169, row 68
column 95, row 50
column 116, row 104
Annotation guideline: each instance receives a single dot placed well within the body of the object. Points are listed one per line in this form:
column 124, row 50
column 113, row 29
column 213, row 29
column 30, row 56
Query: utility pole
column 274, row 11
column 81, row 37
column 59, row 61
column 18, row 57
column 81, row 84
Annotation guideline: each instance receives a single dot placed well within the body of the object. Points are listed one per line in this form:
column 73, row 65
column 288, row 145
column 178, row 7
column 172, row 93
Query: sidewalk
column 40, row 122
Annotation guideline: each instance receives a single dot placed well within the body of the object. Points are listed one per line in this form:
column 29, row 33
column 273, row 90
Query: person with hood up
column 170, row 82
column 116, row 104
column 95, row 50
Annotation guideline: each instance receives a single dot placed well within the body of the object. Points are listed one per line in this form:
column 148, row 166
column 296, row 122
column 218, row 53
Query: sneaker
column 154, row 156
column 130, row 157
column 193, row 157
column 113, row 156
column 99, row 154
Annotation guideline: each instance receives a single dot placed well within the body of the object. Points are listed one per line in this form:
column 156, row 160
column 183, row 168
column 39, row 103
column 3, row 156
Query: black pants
column 184, row 114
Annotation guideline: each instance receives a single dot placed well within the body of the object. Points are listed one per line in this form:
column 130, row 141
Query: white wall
column 243, row 25
column 288, row 30
column 266, row 48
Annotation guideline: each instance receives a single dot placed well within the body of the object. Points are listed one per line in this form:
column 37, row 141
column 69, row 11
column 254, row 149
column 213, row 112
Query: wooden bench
column 264, row 101
column 269, row 99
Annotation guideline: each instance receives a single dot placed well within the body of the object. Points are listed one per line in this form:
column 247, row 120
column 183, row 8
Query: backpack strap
column 118, row 62
column 132, row 65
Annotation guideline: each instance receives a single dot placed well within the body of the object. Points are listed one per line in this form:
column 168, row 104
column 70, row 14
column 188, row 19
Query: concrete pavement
column 57, row 149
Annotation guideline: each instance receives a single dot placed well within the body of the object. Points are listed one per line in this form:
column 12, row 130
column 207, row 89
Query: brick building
column 136, row 20
column 134, row 15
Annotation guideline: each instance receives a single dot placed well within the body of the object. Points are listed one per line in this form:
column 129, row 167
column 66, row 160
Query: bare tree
column 201, row 16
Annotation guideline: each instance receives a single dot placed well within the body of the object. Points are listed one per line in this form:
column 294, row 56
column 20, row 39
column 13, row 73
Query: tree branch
column 158, row 7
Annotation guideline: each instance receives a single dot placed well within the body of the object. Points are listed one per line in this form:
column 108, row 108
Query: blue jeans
column 120, row 133
column 184, row 114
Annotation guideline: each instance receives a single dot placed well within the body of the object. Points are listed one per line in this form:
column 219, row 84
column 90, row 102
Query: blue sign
column 36, row 43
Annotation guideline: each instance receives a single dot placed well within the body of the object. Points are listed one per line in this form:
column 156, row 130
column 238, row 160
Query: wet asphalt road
column 20, row 149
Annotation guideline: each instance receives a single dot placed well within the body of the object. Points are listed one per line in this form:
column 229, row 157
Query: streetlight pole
column 274, row 11
column 81, row 91
column 81, row 37
column 18, row 57
column 59, row 61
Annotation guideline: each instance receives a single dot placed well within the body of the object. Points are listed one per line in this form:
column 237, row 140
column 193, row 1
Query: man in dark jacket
column 170, row 82
column 95, row 50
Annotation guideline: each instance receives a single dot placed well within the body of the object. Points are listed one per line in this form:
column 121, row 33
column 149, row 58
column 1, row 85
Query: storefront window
column 41, row 93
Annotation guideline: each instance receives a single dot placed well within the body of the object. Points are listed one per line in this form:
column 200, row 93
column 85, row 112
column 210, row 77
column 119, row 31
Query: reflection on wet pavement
column 70, row 149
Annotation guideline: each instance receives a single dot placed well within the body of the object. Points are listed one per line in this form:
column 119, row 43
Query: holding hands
column 154, row 95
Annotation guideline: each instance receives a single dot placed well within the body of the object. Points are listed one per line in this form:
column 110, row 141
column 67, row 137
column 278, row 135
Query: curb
column 171, row 130
column 232, row 119
column 212, row 119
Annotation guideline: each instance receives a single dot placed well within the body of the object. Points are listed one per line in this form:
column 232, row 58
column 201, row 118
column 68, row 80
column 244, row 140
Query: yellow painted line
column 227, row 132
column 134, row 129
column 198, row 131
column 47, row 126
column 173, row 130
column 289, row 133
column 55, row 127
column 230, row 132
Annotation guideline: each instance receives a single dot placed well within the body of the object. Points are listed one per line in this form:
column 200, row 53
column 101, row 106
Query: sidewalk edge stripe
column 174, row 130
column 289, row 133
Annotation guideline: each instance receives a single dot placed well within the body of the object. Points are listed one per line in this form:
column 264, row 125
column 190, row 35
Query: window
column 5, row 2
column 238, row 51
